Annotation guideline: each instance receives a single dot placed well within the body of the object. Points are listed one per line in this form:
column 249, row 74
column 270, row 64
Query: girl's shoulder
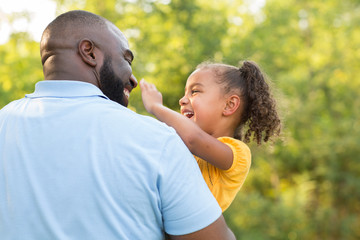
column 236, row 143
column 241, row 152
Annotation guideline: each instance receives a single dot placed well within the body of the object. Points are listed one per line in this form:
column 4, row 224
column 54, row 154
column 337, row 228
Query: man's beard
column 111, row 85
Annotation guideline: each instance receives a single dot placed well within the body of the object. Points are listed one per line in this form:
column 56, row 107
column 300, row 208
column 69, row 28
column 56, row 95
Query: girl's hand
column 151, row 97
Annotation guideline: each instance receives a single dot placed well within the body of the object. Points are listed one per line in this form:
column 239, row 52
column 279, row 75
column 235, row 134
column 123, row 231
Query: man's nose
column 133, row 81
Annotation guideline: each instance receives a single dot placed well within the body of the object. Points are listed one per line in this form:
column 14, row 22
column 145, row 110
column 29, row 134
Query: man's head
column 83, row 46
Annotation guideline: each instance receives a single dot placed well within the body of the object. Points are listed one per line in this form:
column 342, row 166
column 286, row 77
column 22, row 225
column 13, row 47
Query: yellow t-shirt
column 225, row 184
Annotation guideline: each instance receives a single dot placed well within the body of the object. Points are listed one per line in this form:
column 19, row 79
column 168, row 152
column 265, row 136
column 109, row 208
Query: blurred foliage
column 304, row 187
column 20, row 67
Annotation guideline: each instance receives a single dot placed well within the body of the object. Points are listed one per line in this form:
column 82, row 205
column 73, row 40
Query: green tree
column 20, row 67
column 307, row 49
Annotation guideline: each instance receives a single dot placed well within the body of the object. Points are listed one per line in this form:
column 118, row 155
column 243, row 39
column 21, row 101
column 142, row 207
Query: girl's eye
column 194, row 91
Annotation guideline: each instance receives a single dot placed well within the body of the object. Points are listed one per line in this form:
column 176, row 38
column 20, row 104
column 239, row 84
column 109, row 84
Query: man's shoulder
column 116, row 114
column 11, row 105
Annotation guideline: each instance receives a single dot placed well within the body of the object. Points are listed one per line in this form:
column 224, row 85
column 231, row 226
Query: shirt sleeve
column 230, row 181
column 186, row 202
column 242, row 156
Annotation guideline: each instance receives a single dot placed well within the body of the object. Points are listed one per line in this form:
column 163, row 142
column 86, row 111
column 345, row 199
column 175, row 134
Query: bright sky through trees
column 40, row 13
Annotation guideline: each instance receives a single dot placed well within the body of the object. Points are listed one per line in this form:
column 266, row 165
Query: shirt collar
column 65, row 89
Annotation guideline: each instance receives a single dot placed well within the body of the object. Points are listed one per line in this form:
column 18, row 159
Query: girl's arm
column 199, row 142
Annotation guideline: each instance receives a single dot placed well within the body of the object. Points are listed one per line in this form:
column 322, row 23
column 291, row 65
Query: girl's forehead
column 200, row 78
column 201, row 75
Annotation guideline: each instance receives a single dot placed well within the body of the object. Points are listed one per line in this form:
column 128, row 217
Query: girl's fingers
column 143, row 85
column 152, row 86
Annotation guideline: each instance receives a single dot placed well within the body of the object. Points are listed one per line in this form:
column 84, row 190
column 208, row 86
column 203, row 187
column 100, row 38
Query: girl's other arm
column 199, row 142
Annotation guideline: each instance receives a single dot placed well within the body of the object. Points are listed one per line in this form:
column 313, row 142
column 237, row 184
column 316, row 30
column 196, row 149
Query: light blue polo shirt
column 76, row 165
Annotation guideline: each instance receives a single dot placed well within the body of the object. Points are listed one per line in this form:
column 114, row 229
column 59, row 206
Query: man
column 76, row 165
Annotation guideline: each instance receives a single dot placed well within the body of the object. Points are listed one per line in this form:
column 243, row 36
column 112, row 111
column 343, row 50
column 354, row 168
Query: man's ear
column 86, row 50
column 232, row 104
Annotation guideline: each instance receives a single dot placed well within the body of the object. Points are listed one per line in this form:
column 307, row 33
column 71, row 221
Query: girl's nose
column 183, row 101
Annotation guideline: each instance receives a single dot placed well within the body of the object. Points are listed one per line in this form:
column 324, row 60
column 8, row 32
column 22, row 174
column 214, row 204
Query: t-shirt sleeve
column 186, row 202
column 231, row 180
column 242, row 156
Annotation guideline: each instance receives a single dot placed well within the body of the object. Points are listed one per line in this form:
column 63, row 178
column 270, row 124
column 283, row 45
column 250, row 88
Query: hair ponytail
column 259, row 112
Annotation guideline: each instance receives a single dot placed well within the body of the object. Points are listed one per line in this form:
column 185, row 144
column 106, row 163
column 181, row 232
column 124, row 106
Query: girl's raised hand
column 151, row 97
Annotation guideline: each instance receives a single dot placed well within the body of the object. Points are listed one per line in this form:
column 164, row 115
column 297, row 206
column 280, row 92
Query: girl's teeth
column 188, row 114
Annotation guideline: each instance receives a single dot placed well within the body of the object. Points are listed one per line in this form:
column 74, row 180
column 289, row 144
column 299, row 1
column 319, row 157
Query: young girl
column 222, row 108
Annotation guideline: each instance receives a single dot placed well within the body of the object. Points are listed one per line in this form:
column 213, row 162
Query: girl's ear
column 232, row 104
column 86, row 50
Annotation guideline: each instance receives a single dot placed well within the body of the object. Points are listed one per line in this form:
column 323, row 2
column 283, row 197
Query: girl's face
column 204, row 100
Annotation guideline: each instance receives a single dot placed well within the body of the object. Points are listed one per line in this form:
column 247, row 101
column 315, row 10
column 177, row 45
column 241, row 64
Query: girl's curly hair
column 259, row 114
